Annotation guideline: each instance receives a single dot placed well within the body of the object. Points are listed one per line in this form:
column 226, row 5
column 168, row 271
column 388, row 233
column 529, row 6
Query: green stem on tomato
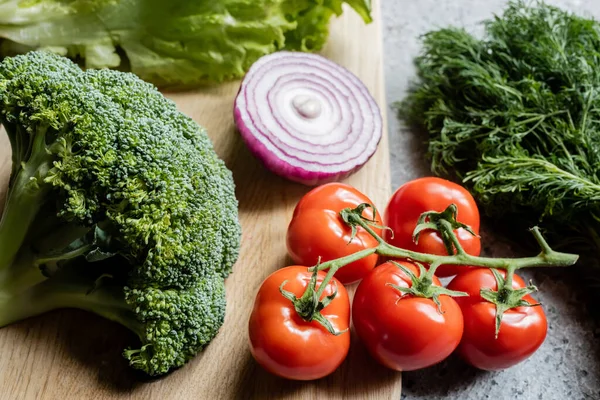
column 367, row 228
column 510, row 272
column 447, row 226
column 546, row 258
column 336, row 264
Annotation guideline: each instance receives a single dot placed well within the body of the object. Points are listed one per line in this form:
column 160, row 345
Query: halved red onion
column 307, row 118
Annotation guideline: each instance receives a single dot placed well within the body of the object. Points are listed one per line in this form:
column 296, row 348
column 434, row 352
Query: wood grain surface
column 70, row 354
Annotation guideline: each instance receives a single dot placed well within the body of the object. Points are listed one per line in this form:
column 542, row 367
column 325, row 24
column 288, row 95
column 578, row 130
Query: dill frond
column 516, row 115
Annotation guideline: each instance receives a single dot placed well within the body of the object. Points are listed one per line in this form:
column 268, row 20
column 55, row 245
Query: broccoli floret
column 176, row 322
column 105, row 167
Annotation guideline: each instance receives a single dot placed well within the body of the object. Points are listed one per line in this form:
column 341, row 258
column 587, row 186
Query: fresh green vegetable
column 170, row 43
column 515, row 116
column 117, row 204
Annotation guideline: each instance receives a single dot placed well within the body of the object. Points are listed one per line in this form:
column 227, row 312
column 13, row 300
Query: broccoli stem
column 15, row 135
column 81, row 251
column 52, row 234
column 19, row 212
column 22, row 305
column 68, row 288
column 24, row 199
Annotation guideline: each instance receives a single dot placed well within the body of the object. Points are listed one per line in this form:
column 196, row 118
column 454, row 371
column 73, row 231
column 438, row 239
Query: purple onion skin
column 291, row 172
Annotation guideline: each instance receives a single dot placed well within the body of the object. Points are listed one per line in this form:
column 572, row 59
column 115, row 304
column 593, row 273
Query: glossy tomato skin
column 286, row 345
column 522, row 332
column 317, row 230
column 431, row 194
column 404, row 333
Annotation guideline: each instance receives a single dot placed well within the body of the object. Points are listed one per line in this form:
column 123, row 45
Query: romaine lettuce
column 169, row 42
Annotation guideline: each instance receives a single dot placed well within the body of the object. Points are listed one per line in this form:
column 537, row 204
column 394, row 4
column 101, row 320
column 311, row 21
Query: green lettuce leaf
column 170, row 43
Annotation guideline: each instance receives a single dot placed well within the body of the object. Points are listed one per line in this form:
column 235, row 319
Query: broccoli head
column 106, row 168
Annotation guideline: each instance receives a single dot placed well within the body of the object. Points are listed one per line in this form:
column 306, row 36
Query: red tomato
column 285, row 344
column 404, row 333
column 522, row 331
column 317, row 230
column 431, row 194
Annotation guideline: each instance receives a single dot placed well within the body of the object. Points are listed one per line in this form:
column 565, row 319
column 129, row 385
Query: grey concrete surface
column 567, row 366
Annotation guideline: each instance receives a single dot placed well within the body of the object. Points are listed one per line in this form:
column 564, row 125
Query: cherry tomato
column 522, row 331
column 431, row 194
column 404, row 333
column 285, row 344
column 317, row 230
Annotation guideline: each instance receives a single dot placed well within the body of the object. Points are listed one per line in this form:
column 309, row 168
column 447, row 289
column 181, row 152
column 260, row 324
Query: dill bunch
column 515, row 116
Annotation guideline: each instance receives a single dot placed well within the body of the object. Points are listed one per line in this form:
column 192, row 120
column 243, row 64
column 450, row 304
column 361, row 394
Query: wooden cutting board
column 70, row 354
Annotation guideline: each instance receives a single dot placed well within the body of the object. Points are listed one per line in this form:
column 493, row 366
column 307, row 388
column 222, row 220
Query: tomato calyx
column 506, row 298
column 308, row 306
column 353, row 218
column 422, row 286
column 445, row 223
